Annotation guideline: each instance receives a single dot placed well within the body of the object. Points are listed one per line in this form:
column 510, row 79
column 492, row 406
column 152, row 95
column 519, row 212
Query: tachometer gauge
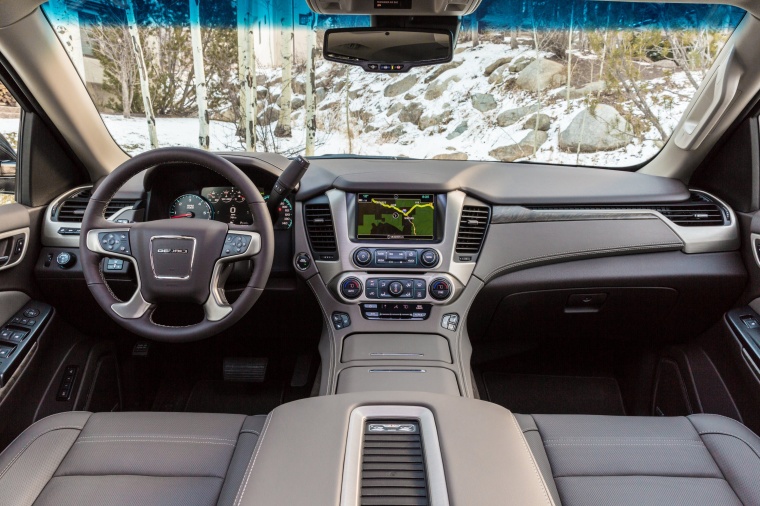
column 285, row 219
column 191, row 206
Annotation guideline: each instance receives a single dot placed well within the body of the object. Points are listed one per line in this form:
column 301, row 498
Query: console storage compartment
column 437, row 380
column 417, row 347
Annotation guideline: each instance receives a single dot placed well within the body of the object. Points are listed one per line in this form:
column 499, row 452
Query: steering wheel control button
column 114, row 264
column 117, row 242
column 450, row 321
column 440, row 289
column 341, row 320
column 351, row 288
column 303, row 261
column 65, row 260
column 429, row 258
column 235, row 244
column 362, row 257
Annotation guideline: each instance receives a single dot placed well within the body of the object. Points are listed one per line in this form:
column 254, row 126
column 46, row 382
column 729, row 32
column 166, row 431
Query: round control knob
column 303, row 261
column 65, row 259
column 362, row 257
column 429, row 258
column 440, row 289
column 396, row 288
column 351, row 288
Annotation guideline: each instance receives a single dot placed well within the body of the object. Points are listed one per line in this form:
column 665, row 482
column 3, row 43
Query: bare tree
column 247, row 71
column 200, row 74
column 65, row 20
column 311, row 97
column 111, row 44
column 283, row 124
column 143, row 73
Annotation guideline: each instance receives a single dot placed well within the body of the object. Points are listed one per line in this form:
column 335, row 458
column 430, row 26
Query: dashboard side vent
column 472, row 229
column 699, row 211
column 321, row 231
column 72, row 209
column 393, row 466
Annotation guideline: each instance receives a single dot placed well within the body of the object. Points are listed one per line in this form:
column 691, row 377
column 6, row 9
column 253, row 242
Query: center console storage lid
column 398, row 378
column 418, row 347
column 301, row 451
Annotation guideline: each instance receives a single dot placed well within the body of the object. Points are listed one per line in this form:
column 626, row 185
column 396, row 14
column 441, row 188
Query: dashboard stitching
column 568, row 254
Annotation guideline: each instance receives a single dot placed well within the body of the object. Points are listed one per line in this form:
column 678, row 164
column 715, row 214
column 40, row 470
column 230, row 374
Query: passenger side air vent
column 72, row 209
column 472, row 229
column 700, row 211
column 393, row 465
column 321, row 231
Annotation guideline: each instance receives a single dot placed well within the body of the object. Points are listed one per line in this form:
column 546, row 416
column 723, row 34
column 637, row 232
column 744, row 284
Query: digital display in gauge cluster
column 229, row 204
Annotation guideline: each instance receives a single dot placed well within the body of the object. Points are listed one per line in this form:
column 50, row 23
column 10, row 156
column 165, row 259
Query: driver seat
column 75, row 458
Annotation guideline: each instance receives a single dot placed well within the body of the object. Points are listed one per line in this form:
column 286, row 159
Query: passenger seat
column 625, row 461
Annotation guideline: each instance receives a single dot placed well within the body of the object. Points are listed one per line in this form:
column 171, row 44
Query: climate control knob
column 362, row 257
column 351, row 288
column 429, row 258
column 396, row 288
column 440, row 289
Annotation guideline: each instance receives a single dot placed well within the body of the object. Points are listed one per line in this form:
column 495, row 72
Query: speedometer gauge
column 285, row 219
column 191, row 206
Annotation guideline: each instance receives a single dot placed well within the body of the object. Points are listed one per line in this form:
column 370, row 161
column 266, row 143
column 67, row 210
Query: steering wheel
column 176, row 260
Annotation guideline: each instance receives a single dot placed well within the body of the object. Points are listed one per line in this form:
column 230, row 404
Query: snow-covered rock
column 589, row 89
column 459, row 130
column 512, row 116
column 538, row 122
column 411, row 113
column 495, row 65
column 519, row 64
column 526, row 147
column 457, row 155
column 484, row 102
column 600, row 129
column 436, row 88
column 401, row 86
column 431, row 120
column 440, row 70
column 541, row 74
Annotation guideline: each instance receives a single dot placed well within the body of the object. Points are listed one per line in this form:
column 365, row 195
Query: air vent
column 319, row 226
column 472, row 229
column 393, row 465
column 699, row 211
column 72, row 209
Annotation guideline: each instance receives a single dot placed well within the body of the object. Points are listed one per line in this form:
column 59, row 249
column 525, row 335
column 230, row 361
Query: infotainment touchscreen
column 386, row 216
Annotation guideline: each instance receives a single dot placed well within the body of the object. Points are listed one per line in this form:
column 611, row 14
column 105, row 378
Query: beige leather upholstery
column 128, row 458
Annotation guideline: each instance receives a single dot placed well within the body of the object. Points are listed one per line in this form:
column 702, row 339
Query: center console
column 393, row 275
column 394, row 448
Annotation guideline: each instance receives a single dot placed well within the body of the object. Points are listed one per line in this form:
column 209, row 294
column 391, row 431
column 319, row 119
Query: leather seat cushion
column 608, row 460
column 129, row 458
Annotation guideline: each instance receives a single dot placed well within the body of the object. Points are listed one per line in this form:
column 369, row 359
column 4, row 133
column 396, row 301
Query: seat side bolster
column 535, row 442
column 249, row 436
column 29, row 462
column 736, row 451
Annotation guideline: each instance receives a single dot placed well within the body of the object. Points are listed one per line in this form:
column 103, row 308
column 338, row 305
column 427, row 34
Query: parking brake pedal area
column 245, row 369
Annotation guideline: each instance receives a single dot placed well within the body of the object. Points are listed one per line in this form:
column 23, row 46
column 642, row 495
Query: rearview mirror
column 389, row 50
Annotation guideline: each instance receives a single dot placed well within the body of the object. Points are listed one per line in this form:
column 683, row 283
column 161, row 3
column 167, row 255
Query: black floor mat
column 543, row 394
column 216, row 396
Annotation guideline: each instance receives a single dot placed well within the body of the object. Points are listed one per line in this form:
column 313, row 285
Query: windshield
column 550, row 81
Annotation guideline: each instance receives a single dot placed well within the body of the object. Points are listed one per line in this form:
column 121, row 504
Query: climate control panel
column 424, row 287
column 404, row 258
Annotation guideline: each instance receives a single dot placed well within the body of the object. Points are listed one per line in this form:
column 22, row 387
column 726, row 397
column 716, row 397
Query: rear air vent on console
column 699, row 211
column 72, row 209
column 319, row 226
column 472, row 229
column 393, row 465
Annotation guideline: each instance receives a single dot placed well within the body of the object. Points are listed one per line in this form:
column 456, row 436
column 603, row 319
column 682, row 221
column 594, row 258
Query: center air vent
column 321, row 231
column 393, row 465
column 472, row 229
column 72, row 209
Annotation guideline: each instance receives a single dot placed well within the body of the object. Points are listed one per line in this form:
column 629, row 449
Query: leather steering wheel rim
column 199, row 250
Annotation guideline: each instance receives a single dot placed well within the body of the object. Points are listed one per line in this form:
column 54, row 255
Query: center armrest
column 305, row 446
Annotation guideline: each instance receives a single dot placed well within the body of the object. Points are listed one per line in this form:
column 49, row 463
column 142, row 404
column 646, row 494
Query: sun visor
column 395, row 7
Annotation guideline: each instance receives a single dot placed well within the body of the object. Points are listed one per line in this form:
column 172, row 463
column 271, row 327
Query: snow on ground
column 481, row 136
